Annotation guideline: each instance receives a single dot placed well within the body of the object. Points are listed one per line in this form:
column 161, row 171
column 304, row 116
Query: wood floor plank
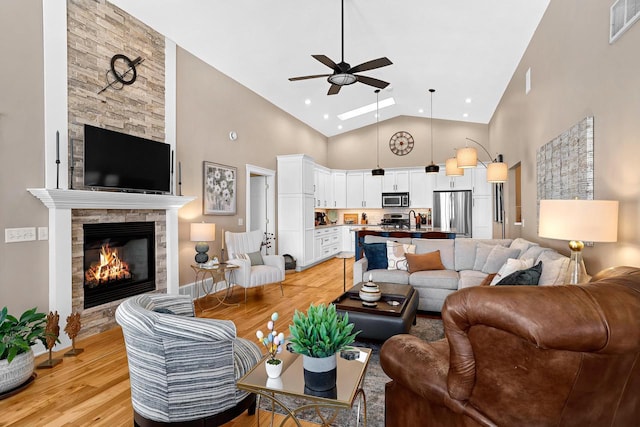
column 92, row 389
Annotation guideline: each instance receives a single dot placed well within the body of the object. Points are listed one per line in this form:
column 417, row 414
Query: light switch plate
column 43, row 233
column 24, row 234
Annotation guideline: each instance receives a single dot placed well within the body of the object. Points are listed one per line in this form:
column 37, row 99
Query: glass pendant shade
column 497, row 172
column 452, row 168
column 342, row 79
column 467, row 157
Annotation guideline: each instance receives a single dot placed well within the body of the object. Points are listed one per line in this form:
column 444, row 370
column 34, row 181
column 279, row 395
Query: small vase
column 370, row 292
column 273, row 371
column 319, row 372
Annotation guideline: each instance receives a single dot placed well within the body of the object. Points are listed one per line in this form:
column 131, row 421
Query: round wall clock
column 401, row 143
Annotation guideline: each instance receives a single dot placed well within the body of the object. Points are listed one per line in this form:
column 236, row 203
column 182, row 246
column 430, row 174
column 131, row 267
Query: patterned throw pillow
column 254, row 257
column 396, row 258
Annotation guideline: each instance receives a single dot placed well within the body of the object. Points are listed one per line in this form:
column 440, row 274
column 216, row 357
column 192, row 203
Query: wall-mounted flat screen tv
column 116, row 160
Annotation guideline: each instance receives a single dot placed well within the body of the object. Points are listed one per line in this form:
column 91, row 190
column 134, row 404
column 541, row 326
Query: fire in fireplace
column 119, row 261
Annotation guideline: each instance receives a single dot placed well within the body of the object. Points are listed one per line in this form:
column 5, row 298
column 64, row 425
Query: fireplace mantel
column 83, row 199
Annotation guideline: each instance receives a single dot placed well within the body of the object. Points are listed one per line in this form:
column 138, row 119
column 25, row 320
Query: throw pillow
column 522, row 245
column 376, row 254
column 487, row 280
column 530, row 276
column 482, row 252
column 254, row 257
column 396, row 255
column 533, row 252
column 511, row 266
column 424, row 262
column 497, row 257
column 555, row 268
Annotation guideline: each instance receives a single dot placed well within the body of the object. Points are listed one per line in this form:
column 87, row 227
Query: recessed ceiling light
column 465, row 115
column 366, row 109
column 468, row 100
column 307, row 102
column 326, row 116
column 420, row 111
column 339, row 126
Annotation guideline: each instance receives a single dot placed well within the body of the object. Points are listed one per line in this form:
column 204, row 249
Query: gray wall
column 24, row 265
column 575, row 73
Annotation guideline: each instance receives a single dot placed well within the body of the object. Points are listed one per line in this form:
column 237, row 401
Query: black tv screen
column 125, row 162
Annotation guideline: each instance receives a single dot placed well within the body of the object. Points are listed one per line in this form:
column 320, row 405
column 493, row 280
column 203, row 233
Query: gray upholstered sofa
column 466, row 263
column 183, row 369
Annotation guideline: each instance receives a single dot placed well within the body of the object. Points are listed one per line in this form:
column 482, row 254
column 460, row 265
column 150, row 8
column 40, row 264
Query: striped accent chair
column 183, row 369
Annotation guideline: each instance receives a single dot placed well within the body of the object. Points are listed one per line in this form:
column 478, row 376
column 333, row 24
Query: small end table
column 345, row 256
column 218, row 273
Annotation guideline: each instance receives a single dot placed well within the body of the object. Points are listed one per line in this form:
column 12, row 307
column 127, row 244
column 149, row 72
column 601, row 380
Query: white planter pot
column 17, row 372
column 273, row 371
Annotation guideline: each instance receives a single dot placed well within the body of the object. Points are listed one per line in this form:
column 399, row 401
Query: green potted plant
column 319, row 335
column 16, row 338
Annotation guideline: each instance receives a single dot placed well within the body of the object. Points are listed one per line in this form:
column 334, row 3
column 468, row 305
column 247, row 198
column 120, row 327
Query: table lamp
column 202, row 232
column 579, row 221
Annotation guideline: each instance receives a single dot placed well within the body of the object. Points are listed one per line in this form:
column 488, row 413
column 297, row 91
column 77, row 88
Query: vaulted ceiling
column 465, row 49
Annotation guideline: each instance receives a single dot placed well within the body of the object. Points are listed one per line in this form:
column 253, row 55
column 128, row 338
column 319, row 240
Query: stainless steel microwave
column 395, row 200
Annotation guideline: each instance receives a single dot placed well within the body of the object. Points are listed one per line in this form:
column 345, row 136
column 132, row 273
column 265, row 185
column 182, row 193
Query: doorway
column 261, row 202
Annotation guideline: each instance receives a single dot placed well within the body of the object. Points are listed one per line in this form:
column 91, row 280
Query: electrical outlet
column 43, row 233
column 24, row 234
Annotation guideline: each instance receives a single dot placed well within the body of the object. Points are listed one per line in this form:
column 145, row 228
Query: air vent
column 624, row 13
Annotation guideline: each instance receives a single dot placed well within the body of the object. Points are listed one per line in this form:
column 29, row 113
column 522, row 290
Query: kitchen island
column 420, row 233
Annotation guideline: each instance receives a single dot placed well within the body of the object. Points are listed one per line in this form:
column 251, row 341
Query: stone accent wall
column 101, row 318
column 97, row 30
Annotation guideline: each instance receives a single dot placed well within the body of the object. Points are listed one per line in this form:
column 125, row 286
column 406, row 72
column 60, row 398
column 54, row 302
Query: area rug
column 374, row 382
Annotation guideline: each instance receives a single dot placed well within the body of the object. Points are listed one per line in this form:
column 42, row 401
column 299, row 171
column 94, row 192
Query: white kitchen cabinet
column 298, row 173
column 355, row 190
column 372, row 191
column 482, row 225
column 323, row 189
column 445, row 183
column 480, row 185
column 421, row 187
column 348, row 240
column 327, row 243
column 339, row 181
column 395, row 181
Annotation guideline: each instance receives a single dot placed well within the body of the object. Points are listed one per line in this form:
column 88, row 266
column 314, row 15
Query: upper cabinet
column 421, row 188
column 299, row 172
column 339, row 181
column 395, row 181
column 445, row 183
column 323, row 187
column 363, row 190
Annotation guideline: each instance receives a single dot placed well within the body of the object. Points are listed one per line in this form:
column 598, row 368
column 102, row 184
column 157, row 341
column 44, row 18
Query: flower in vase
column 272, row 341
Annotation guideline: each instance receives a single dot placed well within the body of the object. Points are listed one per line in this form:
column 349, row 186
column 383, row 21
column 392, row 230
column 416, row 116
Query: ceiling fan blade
column 370, row 65
column 326, row 61
column 334, row 89
column 372, row 82
column 293, row 79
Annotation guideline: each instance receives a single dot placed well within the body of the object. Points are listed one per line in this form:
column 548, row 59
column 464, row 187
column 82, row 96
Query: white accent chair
column 251, row 276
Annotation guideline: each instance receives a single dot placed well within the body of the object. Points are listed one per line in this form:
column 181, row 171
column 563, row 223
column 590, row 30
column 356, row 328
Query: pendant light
column 378, row 171
column 432, row 168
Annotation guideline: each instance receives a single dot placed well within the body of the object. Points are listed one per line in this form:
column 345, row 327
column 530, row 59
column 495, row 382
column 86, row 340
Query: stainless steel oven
column 395, row 200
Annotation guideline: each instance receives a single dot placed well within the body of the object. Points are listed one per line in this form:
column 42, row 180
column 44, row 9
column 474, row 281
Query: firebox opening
column 119, row 261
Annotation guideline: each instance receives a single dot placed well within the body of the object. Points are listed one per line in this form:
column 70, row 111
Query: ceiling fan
column 344, row 74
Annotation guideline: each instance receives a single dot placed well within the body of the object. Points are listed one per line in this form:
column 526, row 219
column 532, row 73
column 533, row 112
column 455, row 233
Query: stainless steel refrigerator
column 452, row 211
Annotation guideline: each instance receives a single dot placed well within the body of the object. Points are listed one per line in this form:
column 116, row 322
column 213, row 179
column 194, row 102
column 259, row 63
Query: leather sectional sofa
column 464, row 262
column 524, row 356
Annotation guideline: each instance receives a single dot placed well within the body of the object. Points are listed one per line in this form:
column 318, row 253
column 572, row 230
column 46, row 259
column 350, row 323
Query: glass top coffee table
column 350, row 376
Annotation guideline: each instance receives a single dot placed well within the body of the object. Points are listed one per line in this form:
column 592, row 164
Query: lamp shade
column 586, row 220
column 497, row 172
column 467, row 157
column 203, row 232
column 452, row 169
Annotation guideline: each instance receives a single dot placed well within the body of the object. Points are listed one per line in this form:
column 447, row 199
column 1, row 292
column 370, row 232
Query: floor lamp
column 579, row 221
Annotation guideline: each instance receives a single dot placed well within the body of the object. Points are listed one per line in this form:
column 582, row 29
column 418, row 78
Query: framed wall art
column 219, row 189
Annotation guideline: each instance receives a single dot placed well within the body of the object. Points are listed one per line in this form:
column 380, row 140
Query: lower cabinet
column 482, row 223
column 327, row 243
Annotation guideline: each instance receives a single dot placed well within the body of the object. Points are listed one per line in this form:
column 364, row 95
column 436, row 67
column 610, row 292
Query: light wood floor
column 92, row 389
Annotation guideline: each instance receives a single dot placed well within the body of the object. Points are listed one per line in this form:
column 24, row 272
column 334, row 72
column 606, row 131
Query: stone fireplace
column 69, row 212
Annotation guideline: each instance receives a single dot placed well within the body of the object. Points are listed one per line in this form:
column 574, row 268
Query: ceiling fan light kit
column 432, row 168
column 343, row 73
